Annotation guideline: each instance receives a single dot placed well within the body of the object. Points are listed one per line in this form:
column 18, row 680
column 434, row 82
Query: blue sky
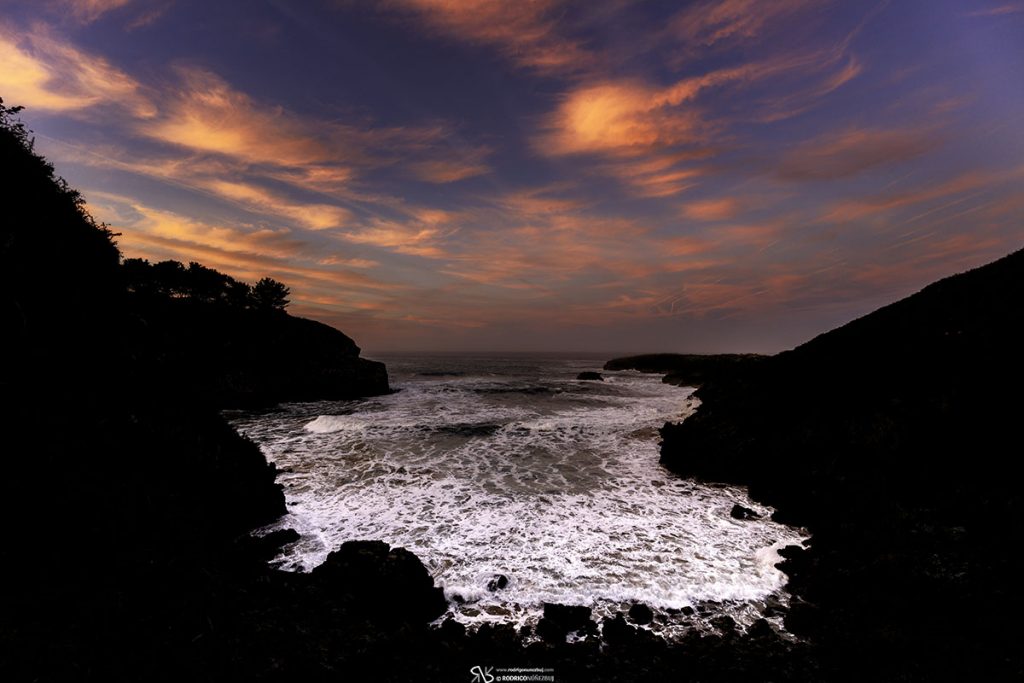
column 723, row 175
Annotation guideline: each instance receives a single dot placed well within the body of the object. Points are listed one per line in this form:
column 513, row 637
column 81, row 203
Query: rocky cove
column 130, row 500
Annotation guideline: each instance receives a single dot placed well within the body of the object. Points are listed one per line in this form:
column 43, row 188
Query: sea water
column 508, row 465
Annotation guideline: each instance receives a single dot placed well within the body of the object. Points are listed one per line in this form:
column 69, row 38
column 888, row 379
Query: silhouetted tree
column 270, row 295
column 207, row 285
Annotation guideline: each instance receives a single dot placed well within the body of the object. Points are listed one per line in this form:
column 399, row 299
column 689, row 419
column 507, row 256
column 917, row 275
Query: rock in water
column 740, row 512
column 596, row 376
column 497, row 583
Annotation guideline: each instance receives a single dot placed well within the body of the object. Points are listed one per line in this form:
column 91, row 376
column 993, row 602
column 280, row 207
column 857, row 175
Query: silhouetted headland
column 891, row 438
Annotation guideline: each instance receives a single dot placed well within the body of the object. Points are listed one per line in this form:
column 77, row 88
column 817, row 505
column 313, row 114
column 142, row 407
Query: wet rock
column 740, row 512
column 616, row 632
column 594, row 376
column 761, row 630
column 773, row 607
column 641, row 614
column 724, row 623
column 559, row 620
column 688, row 611
column 497, row 611
column 497, row 583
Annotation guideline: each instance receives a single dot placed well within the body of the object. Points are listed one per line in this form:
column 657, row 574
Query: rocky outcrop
column 241, row 358
column 886, row 437
column 380, row 583
column 591, row 376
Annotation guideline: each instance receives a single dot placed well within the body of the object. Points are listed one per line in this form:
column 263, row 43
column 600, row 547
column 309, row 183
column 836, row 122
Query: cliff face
column 127, row 496
column 890, row 438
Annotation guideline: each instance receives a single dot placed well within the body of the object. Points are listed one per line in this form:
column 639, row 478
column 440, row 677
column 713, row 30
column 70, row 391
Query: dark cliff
column 891, row 438
column 128, row 498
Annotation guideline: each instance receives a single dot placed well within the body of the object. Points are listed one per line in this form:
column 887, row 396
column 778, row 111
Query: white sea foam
column 551, row 482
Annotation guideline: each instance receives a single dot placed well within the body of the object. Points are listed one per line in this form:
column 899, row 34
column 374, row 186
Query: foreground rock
column 886, row 437
column 560, row 620
column 381, row 583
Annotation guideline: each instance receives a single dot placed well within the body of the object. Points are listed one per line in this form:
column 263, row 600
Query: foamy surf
column 520, row 470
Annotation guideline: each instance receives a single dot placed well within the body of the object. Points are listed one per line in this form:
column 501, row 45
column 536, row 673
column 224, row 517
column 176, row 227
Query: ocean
column 507, row 465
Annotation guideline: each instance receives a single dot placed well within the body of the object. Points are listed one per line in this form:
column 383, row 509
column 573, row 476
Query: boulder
column 380, row 583
column 641, row 614
column 616, row 632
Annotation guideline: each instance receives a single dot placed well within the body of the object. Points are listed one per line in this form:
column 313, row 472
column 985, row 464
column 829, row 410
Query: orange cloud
column 719, row 209
column 207, row 115
column 526, row 32
column 40, row 71
column 717, row 23
column 852, row 151
column 462, row 164
column 313, row 272
column 647, row 133
column 259, row 200
column 420, row 234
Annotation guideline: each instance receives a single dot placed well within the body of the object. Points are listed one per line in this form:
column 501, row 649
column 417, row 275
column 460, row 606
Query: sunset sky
column 724, row 175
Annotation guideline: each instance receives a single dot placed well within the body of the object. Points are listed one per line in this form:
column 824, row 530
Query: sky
column 542, row 175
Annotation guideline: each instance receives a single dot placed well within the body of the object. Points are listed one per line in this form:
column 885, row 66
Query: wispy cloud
column 851, row 151
column 88, row 11
column 863, row 206
column 998, row 10
column 528, row 33
column 723, row 23
column 40, row 71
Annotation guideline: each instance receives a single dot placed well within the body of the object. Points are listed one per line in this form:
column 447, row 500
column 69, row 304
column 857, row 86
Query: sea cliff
column 891, row 439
